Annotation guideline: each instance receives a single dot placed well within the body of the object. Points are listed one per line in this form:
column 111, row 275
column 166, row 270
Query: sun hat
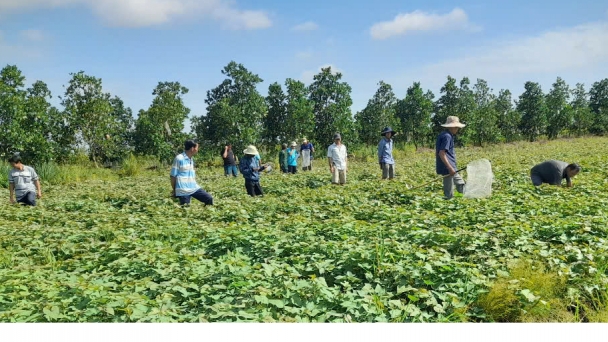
column 304, row 140
column 251, row 150
column 293, row 144
column 337, row 136
column 453, row 121
column 387, row 130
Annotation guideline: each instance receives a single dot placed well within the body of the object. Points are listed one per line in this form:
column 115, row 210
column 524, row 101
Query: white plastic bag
column 479, row 179
column 305, row 158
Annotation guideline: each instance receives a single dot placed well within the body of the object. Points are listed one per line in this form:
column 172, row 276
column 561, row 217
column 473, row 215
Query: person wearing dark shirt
column 229, row 161
column 553, row 172
column 445, row 157
column 283, row 159
column 250, row 169
column 307, row 160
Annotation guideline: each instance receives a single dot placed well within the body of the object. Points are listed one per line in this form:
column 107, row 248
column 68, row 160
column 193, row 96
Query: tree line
column 100, row 124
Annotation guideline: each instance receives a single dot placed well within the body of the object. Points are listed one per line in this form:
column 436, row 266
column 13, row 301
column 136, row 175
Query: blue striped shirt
column 183, row 171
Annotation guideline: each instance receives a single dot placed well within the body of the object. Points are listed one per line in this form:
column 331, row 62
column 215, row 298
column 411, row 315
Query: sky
column 134, row 44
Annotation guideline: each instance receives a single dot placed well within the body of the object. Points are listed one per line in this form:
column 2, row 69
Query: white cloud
column 577, row 54
column 552, row 52
column 11, row 53
column 33, row 35
column 418, row 21
column 141, row 13
column 308, row 75
column 307, row 26
column 304, row 55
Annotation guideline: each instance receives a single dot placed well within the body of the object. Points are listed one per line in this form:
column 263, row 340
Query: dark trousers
column 253, row 188
column 200, row 195
column 292, row 169
column 28, row 199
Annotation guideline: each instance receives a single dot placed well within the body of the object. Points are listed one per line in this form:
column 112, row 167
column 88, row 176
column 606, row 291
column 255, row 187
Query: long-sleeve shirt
column 283, row 159
column 250, row 168
column 385, row 151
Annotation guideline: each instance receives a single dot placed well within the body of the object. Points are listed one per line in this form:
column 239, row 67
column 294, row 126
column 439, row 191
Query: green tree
column 332, row 102
column 159, row 130
column 12, row 111
column 90, row 110
column 276, row 125
column 300, row 111
column 508, row 119
column 484, row 118
column 379, row 113
column 40, row 146
column 235, row 110
column 414, row 113
column 533, row 111
column 447, row 105
column 582, row 118
column 598, row 102
column 559, row 113
column 465, row 108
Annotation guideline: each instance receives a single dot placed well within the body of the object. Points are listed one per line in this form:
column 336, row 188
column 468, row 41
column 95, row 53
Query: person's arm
column 11, row 190
column 345, row 160
column 38, row 189
column 173, row 181
column 331, row 165
column 225, row 154
column 444, row 158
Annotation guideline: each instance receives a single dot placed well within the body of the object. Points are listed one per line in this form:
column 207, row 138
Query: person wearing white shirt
column 337, row 158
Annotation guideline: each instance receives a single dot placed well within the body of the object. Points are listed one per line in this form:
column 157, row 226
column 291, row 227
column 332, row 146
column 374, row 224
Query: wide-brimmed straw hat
column 453, row 121
column 387, row 130
column 251, row 150
column 293, row 144
column 304, row 140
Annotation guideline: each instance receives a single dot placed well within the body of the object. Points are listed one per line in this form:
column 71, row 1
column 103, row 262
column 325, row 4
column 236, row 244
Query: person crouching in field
column 553, row 172
column 183, row 178
column 250, row 169
column 283, row 159
column 337, row 157
column 445, row 157
column 292, row 158
column 385, row 153
column 23, row 183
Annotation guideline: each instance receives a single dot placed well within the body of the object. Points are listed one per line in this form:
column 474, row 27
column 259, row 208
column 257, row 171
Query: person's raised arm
column 225, row 154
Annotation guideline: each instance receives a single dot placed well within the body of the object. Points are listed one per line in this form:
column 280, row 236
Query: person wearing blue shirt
column 183, row 178
column 385, row 153
column 292, row 158
column 250, row 169
column 445, row 157
column 307, row 146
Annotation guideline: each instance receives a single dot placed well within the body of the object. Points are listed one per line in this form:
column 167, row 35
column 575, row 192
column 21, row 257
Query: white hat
column 293, row 144
column 453, row 121
column 251, row 150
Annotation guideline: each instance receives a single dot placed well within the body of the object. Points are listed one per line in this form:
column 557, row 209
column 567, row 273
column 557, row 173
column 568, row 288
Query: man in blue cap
column 385, row 153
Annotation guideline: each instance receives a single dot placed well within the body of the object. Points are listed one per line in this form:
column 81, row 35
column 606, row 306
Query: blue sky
column 134, row 44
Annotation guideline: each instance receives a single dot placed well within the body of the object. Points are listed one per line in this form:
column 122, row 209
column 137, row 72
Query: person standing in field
column 385, row 153
column 250, row 169
column 292, row 158
column 307, row 149
column 445, row 157
column 183, row 177
column 553, row 172
column 283, row 159
column 338, row 160
column 23, row 183
column 229, row 161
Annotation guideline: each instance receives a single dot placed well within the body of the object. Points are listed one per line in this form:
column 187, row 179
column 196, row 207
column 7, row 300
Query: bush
column 130, row 166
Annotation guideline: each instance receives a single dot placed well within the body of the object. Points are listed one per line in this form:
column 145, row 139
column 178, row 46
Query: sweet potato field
column 122, row 250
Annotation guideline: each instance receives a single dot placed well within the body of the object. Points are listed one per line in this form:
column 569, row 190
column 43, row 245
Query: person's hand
column 39, row 195
column 452, row 172
column 381, row 166
column 173, row 193
column 12, row 200
column 332, row 169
